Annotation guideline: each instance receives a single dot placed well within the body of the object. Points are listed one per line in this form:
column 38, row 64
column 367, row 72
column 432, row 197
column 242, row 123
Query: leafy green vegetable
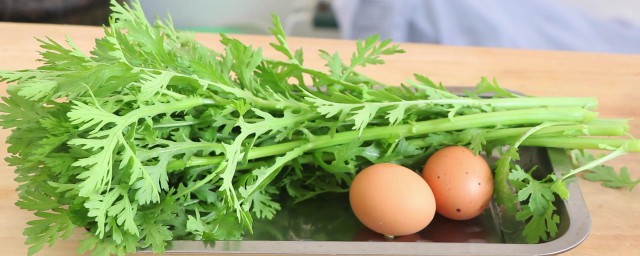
column 153, row 137
column 605, row 174
column 539, row 209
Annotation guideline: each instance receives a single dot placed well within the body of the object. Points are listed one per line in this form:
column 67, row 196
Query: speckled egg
column 462, row 182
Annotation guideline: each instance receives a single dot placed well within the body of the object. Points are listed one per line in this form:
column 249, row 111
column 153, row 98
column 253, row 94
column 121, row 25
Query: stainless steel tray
column 326, row 226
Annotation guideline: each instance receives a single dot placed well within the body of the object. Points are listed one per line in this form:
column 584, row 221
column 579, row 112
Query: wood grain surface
column 613, row 79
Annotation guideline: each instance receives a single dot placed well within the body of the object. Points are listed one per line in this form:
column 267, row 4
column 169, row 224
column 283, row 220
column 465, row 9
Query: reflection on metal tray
column 326, row 226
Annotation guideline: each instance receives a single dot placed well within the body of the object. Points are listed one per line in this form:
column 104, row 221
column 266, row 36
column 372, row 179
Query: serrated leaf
column 261, row 203
column 334, row 63
column 475, row 138
column 98, row 206
column 609, row 178
column 46, row 229
column 206, row 193
column 538, row 196
column 539, row 226
column 486, row 86
column 36, row 200
column 278, row 32
column 18, row 111
column 519, row 175
column 99, row 165
column 91, row 116
column 151, row 84
column 124, row 213
column 155, row 235
column 369, row 51
column 223, row 227
column 560, row 188
column 363, row 115
column 453, row 111
column 37, row 89
column 603, row 173
column 105, row 247
column 149, row 187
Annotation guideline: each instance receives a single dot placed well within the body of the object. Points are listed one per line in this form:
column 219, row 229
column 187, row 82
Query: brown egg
column 462, row 183
column 391, row 199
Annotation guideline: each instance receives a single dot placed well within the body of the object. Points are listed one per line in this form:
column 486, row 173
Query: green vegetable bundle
column 154, row 137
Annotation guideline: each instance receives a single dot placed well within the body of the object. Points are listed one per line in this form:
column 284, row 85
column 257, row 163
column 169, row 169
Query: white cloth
column 530, row 24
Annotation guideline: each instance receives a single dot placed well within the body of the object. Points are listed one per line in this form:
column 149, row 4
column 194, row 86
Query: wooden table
column 613, row 79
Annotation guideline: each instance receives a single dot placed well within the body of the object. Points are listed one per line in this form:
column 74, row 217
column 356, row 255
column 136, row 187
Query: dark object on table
column 82, row 12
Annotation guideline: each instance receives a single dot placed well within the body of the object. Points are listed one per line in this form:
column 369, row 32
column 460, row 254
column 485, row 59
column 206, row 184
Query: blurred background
column 85, row 12
column 574, row 25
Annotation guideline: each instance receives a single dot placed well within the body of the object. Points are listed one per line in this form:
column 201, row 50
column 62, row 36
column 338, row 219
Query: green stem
column 173, row 94
column 509, row 135
column 615, row 153
column 500, row 103
column 560, row 130
column 584, row 143
column 493, row 119
column 175, row 124
column 543, row 138
column 503, row 193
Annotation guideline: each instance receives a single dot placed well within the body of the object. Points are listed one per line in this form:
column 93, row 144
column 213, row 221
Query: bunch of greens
column 154, row 137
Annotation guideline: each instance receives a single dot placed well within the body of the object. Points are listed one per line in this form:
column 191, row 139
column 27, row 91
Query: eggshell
column 391, row 199
column 462, row 182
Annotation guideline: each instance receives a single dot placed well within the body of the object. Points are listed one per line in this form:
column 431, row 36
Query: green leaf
column 560, row 188
column 278, row 32
column 91, row 116
column 36, row 90
column 196, row 226
column 18, row 111
column 520, row 175
column 474, row 138
column 262, row 204
column 35, row 199
column 397, row 114
column 205, row 193
column 124, row 211
column 47, row 228
column 329, row 109
column 114, row 204
column 605, row 174
column 611, row 179
column 539, row 196
column 486, row 86
column 155, row 235
column 334, row 63
column 369, row 51
column 362, row 116
column 106, row 246
column 151, row 84
column 539, row 226
column 59, row 57
column 226, row 228
column 222, row 227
